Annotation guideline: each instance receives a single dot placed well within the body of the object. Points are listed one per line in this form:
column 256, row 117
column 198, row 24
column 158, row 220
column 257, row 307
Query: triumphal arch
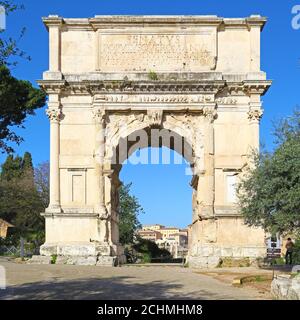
column 112, row 82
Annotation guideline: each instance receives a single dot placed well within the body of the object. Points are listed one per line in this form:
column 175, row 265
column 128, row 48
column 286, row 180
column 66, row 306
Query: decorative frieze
column 226, row 100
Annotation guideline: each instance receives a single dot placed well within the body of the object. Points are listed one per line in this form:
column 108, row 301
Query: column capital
column 210, row 113
column 254, row 115
column 54, row 114
column 99, row 114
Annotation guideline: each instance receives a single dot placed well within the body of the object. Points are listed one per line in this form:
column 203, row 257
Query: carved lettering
column 179, row 98
column 161, row 52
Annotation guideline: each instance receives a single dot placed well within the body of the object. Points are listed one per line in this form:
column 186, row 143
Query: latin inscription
column 158, row 52
column 166, row 98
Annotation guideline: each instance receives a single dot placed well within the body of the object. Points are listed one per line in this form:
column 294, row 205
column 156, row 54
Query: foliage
column 269, row 192
column 20, row 201
column 153, row 75
column 296, row 252
column 18, row 98
column 53, row 258
column 278, row 261
column 149, row 249
column 128, row 215
column 9, row 46
column 41, row 177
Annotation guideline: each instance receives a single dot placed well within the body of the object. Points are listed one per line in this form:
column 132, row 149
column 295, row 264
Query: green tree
column 149, row 249
column 20, row 201
column 128, row 215
column 41, row 177
column 269, row 192
column 9, row 46
column 11, row 168
column 18, row 99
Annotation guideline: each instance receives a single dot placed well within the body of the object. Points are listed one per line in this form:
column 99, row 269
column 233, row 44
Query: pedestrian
column 289, row 251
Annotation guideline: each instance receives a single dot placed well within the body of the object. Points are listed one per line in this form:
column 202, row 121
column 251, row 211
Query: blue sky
column 163, row 190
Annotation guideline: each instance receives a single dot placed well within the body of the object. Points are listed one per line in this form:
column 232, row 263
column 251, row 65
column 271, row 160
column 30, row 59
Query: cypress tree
column 11, row 168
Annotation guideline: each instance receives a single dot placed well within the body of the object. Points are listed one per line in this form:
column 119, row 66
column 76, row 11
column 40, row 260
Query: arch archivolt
column 186, row 125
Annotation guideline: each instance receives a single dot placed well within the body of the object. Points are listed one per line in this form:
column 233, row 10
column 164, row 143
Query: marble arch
column 111, row 76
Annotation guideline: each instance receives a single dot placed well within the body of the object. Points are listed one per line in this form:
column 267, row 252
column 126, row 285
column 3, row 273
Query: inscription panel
column 164, row 52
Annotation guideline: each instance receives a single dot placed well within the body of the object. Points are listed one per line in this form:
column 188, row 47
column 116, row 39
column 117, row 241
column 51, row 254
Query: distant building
column 151, row 235
column 4, row 225
column 167, row 231
column 174, row 239
column 154, row 227
column 179, row 238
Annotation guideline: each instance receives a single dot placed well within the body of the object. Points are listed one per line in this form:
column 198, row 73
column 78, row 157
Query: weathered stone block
column 50, row 75
column 48, row 249
column 40, row 260
column 77, row 250
column 85, row 261
column 226, row 252
column 238, row 252
column 284, row 287
column 61, row 260
column 107, row 261
column 77, row 260
column 203, row 262
column 213, row 261
column 207, row 251
column 103, row 250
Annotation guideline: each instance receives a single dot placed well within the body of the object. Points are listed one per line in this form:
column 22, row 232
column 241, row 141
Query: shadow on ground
column 103, row 289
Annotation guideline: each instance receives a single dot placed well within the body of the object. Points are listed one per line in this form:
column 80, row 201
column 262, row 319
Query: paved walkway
column 89, row 282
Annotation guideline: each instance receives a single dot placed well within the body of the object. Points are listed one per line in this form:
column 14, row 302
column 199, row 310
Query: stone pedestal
column 93, row 253
column 224, row 238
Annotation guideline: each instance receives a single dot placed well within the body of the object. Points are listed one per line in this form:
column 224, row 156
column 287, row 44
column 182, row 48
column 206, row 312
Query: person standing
column 289, row 251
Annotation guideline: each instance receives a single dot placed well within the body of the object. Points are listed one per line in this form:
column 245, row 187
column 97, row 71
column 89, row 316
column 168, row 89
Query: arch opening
column 153, row 146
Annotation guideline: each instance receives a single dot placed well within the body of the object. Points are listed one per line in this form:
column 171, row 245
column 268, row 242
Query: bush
column 146, row 258
column 147, row 250
column 53, row 258
column 278, row 261
column 296, row 252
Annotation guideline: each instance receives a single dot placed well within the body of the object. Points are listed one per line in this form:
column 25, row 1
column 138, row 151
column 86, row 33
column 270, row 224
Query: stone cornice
column 247, row 87
column 106, row 21
column 52, row 86
column 155, row 86
column 52, row 20
column 257, row 87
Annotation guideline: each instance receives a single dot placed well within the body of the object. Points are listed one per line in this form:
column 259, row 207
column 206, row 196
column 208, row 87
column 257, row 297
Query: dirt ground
column 25, row 281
